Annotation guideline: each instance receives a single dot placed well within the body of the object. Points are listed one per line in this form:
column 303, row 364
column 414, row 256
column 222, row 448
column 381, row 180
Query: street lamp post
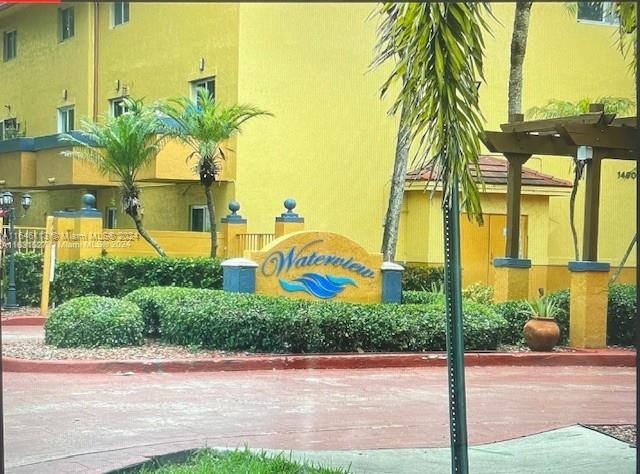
column 9, row 211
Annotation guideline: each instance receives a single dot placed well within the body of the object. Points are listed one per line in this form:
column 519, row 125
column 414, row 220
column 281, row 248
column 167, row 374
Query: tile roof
column 494, row 171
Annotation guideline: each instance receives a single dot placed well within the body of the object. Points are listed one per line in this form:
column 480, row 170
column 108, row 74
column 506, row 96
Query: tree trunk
column 396, row 193
column 624, row 258
column 577, row 174
column 518, row 50
column 212, row 219
column 145, row 235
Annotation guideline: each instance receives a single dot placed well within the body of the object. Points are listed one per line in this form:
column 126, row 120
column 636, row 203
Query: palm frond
column 203, row 125
column 555, row 108
column 438, row 53
column 120, row 146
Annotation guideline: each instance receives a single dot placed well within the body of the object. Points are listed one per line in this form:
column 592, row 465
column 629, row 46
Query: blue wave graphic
column 320, row 286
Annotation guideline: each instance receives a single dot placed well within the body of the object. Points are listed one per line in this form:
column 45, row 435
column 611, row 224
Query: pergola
column 591, row 137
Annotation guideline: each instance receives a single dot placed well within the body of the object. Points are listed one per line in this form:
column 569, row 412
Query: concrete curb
column 609, row 358
column 25, row 321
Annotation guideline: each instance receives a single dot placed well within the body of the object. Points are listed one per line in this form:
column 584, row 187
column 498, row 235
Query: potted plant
column 542, row 332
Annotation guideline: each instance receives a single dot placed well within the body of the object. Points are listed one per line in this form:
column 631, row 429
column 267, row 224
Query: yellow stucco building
column 331, row 142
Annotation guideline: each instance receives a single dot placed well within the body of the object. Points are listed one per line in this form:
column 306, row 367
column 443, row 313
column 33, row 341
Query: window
column 65, row 119
column 120, row 13
column 67, row 25
column 209, row 84
column 118, row 107
column 10, row 41
column 597, row 12
column 199, row 219
column 111, row 219
column 9, row 129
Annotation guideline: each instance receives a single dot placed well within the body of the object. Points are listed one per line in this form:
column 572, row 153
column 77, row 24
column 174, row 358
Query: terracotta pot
column 541, row 334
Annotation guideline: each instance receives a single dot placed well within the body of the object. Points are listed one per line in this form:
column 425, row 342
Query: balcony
column 38, row 163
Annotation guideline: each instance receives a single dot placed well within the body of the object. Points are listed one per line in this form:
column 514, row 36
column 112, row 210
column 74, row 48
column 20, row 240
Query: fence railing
column 28, row 239
column 254, row 242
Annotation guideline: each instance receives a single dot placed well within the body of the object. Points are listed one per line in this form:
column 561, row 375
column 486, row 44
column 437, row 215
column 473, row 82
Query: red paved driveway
column 52, row 416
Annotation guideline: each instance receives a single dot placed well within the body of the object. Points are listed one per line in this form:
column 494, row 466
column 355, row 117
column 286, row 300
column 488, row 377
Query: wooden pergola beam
column 546, row 125
column 591, row 208
column 506, row 142
column 619, row 138
column 514, row 187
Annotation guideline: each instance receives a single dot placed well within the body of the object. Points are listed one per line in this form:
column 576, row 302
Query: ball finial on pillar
column 290, row 204
column 89, row 201
column 234, row 207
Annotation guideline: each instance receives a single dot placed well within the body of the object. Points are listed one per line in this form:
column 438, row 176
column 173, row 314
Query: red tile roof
column 494, row 171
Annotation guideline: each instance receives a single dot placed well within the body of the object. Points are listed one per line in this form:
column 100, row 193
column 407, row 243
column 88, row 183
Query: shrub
column 479, row 293
column 562, row 298
column 621, row 314
column 28, row 278
column 516, row 314
column 114, row 277
column 422, row 278
column 93, row 321
column 151, row 300
column 422, row 297
column 242, row 322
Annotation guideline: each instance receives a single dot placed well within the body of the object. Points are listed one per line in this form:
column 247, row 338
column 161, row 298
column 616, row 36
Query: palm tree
column 437, row 52
column 518, row 50
column 203, row 125
column 396, row 192
column 122, row 147
column 562, row 108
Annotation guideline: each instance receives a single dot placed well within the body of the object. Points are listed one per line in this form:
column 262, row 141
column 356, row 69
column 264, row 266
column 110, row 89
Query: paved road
column 94, row 419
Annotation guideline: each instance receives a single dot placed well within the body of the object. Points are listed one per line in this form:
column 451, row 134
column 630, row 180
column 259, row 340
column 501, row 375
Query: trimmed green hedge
column 116, row 277
column 241, row 322
column 621, row 314
column 422, row 297
column 94, row 321
column 151, row 301
column 28, row 278
column 113, row 277
column 422, row 278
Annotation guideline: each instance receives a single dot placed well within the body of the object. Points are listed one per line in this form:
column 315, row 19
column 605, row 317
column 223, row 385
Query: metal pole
column 455, row 336
column 2, row 253
column 12, row 302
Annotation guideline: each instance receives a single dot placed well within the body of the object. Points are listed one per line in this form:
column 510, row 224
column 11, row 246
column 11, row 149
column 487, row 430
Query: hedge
column 112, row 277
column 28, row 278
column 422, row 278
column 94, row 321
column 254, row 323
column 622, row 314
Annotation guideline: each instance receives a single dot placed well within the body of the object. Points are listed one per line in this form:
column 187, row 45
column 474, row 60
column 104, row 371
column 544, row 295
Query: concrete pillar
column 588, row 305
column 289, row 221
column 232, row 225
column 511, row 279
column 77, row 234
column 239, row 275
column 391, row 282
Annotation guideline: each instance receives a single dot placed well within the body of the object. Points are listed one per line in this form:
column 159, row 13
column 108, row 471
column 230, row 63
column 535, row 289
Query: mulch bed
column 624, row 433
column 21, row 312
column 37, row 350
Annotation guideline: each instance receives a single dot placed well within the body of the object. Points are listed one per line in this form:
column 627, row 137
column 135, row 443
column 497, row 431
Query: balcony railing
column 254, row 242
column 28, row 239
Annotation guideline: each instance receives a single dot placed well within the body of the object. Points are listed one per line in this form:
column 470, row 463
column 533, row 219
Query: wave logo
column 320, row 286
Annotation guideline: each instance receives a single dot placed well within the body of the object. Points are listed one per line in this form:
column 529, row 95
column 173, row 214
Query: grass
column 209, row 461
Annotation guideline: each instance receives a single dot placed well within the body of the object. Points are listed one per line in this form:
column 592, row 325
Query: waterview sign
column 318, row 266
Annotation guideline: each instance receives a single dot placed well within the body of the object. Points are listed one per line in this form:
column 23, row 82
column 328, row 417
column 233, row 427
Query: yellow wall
column 331, row 144
column 32, row 83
